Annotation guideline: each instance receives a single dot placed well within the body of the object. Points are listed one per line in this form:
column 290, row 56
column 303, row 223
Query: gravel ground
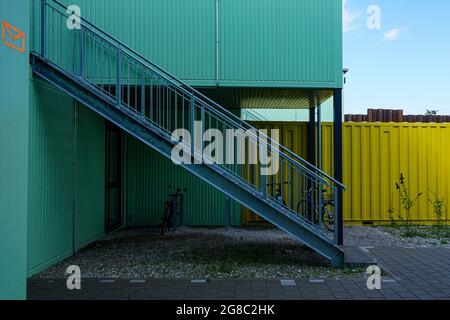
column 191, row 253
column 392, row 237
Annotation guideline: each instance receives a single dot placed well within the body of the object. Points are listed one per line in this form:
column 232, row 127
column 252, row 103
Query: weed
column 353, row 270
column 409, row 233
column 408, row 203
column 391, row 211
column 439, row 209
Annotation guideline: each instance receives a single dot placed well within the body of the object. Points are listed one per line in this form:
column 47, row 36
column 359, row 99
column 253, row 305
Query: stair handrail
column 305, row 165
column 256, row 115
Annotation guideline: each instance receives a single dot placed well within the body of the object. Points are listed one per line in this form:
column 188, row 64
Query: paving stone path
column 418, row 274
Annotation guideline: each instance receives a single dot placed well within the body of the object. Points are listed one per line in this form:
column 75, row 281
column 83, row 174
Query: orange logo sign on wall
column 13, row 37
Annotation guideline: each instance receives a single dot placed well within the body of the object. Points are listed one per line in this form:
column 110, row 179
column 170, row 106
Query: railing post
column 337, row 218
column 319, row 156
column 192, row 123
column 289, row 186
column 310, row 195
column 43, row 25
column 202, row 129
column 118, row 75
column 263, row 181
column 281, row 179
column 143, row 93
column 82, row 52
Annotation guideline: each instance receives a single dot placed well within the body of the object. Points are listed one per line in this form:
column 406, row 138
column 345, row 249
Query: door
column 113, row 183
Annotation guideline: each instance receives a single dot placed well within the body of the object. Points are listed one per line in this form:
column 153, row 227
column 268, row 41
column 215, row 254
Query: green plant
column 391, row 210
column 439, row 209
column 407, row 202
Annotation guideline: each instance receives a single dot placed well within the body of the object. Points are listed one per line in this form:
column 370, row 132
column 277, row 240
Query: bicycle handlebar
column 178, row 190
column 315, row 189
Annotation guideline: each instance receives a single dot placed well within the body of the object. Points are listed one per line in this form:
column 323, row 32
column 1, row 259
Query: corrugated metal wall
column 148, row 176
column 14, row 145
column 284, row 42
column 50, row 177
column 178, row 35
column 52, row 187
column 292, row 136
column 90, row 188
column 374, row 156
column 262, row 43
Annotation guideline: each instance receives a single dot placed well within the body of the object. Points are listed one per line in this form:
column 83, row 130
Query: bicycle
column 303, row 206
column 326, row 210
column 173, row 208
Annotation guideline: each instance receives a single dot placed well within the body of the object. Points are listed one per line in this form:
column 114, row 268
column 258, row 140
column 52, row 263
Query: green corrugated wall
column 50, row 176
column 262, row 43
column 283, row 43
column 58, row 145
column 90, row 188
column 148, row 176
column 14, row 87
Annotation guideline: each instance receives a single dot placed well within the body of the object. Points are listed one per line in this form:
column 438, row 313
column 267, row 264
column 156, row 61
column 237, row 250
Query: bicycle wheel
column 328, row 216
column 165, row 219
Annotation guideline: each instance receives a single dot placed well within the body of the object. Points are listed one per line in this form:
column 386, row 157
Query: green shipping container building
column 69, row 176
column 229, row 43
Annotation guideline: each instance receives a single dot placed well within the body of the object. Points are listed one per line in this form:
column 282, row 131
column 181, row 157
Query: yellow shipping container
column 375, row 154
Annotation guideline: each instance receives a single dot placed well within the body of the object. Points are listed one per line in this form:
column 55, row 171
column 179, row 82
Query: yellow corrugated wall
column 374, row 156
column 292, row 136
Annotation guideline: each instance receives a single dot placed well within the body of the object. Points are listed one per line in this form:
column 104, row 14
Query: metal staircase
column 147, row 102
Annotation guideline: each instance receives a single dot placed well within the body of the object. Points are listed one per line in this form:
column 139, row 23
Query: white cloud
column 349, row 17
column 394, row 34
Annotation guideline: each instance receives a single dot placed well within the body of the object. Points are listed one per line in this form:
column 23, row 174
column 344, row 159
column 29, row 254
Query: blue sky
column 405, row 64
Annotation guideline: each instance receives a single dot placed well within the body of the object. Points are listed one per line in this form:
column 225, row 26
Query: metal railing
column 158, row 100
column 253, row 115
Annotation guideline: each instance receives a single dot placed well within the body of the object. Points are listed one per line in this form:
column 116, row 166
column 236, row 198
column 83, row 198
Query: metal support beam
column 311, row 148
column 118, row 75
column 319, row 152
column 143, row 95
column 192, row 125
column 312, row 131
column 82, row 52
column 319, row 132
column 337, row 104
